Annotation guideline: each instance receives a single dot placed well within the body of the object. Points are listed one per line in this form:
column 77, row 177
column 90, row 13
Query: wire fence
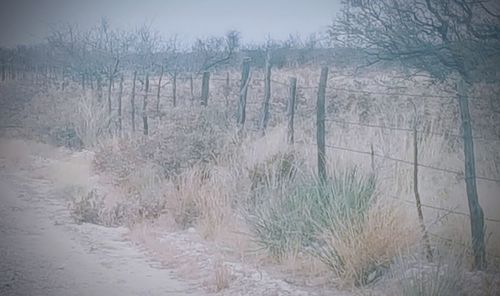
column 393, row 95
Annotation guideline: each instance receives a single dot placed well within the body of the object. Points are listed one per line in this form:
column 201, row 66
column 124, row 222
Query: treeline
column 102, row 52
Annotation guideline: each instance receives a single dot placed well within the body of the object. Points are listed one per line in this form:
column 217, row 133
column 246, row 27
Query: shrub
column 292, row 220
column 86, row 207
column 196, row 136
column 71, row 118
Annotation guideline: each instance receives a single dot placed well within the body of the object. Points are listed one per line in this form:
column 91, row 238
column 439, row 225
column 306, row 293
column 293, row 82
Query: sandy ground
column 42, row 252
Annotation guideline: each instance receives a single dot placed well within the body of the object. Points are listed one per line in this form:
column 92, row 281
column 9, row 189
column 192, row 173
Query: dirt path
column 42, row 252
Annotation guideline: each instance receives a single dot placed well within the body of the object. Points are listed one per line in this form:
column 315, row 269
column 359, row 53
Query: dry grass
column 446, row 276
column 359, row 253
column 73, row 118
column 193, row 169
column 222, row 276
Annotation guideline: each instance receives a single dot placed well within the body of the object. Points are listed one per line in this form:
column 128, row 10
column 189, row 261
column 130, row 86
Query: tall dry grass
column 192, row 166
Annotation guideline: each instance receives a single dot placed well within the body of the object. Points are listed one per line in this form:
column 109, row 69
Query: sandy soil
column 42, row 252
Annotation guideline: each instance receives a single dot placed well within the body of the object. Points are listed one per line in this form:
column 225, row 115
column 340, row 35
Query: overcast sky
column 27, row 21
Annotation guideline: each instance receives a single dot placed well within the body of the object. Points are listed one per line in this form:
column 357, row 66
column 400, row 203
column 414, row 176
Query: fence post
column 242, row 103
column 291, row 109
column 3, row 72
column 205, row 88
column 476, row 212
column 425, row 235
column 174, row 89
column 110, row 84
column 320, row 125
column 132, row 101
column 158, row 90
column 191, row 88
column 267, row 96
column 145, row 107
column 120, row 93
column 227, row 90
column 99, row 89
column 372, row 158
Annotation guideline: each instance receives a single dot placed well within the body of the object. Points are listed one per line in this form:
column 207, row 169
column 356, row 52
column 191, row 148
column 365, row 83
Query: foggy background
column 29, row 21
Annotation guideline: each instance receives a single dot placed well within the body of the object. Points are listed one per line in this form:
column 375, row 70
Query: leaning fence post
column 205, row 88
column 320, row 125
column 476, row 212
column 242, row 103
column 291, row 109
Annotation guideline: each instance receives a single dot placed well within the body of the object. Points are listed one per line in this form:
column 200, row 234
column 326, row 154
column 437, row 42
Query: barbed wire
column 409, row 162
column 441, row 209
column 443, row 134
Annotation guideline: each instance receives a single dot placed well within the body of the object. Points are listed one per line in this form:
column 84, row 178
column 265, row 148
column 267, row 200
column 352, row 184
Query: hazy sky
column 27, row 21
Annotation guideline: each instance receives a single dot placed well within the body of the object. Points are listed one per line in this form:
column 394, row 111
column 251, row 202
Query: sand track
column 42, row 252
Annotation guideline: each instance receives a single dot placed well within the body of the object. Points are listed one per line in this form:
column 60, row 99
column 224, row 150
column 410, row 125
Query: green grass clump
column 294, row 220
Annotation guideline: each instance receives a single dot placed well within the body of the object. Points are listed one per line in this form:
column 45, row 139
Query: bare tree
column 215, row 51
column 108, row 47
column 440, row 37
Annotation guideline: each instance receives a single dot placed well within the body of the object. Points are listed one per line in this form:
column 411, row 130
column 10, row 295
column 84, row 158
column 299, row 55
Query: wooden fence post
column 320, row 125
column 3, row 72
column 99, row 89
column 158, row 90
column 132, row 101
column 475, row 210
column 425, row 235
column 110, row 84
column 205, row 88
column 174, row 89
column 267, row 95
column 191, row 87
column 227, row 90
column 242, row 103
column 120, row 93
column 291, row 109
column 145, row 107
